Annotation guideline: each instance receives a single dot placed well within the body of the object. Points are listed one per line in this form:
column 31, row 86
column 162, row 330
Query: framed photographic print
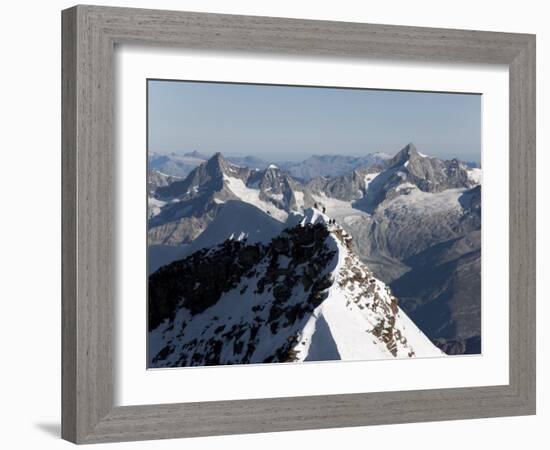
column 278, row 224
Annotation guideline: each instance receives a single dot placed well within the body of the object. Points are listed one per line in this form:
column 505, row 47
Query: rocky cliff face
column 302, row 296
column 277, row 187
column 191, row 204
column 206, row 178
column 409, row 169
column 349, row 187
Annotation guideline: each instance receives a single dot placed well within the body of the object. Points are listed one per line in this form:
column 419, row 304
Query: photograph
column 311, row 223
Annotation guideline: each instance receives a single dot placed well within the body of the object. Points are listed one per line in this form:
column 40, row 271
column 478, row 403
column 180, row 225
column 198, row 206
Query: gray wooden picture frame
column 90, row 34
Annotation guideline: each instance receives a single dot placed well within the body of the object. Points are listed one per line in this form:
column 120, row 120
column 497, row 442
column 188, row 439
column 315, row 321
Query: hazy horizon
column 289, row 123
column 275, row 161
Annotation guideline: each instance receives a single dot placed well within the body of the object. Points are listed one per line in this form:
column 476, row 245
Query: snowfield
column 418, row 202
column 252, row 196
column 369, row 177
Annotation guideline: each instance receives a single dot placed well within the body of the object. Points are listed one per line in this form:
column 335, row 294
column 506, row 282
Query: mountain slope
column 303, row 296
column 192, row 203
column 443, row 298
column 409, row 169
column 349, row 187
column 419, row 230
column 156, row 180
column 239, row 221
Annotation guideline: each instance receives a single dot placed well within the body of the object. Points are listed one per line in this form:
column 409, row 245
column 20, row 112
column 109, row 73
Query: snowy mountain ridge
column 303, row 296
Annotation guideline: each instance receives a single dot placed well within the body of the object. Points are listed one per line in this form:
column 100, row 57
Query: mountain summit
column 217, row 165
column 405, row 154
column 409, row 170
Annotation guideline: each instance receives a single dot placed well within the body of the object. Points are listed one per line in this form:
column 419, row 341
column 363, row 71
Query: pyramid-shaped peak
column 272, row 171
column 405, row 154
column 409, row 150
column 273, row 178
column 217, row 163
column 217, row 158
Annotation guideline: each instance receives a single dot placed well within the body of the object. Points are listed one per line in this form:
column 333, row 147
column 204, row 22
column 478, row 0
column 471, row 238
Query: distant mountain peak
column 330, row 165
column 405, row 154
column 381, row 155
column 196, row 154
column 410, row 147
column 252, row 162
column 217, row 163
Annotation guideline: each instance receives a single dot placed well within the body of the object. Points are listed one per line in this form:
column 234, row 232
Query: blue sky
column 278, row 123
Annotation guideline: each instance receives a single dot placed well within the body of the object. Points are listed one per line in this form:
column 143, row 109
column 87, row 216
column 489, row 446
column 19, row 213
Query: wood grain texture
column 68, row 225
column 89, row 36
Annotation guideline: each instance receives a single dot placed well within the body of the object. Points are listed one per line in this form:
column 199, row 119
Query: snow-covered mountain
column 417, row 226
column 409, row 170
column 331, row 165
column 301, row 296
column 191, row 204
column 415, row 222
column 348, row 187
column 181, row 165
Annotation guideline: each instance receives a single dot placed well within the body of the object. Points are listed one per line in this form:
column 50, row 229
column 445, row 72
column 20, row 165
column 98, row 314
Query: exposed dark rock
column 197, row 282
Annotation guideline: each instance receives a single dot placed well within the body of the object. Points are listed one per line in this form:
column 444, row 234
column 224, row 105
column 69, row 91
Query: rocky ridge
column 273, row 302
